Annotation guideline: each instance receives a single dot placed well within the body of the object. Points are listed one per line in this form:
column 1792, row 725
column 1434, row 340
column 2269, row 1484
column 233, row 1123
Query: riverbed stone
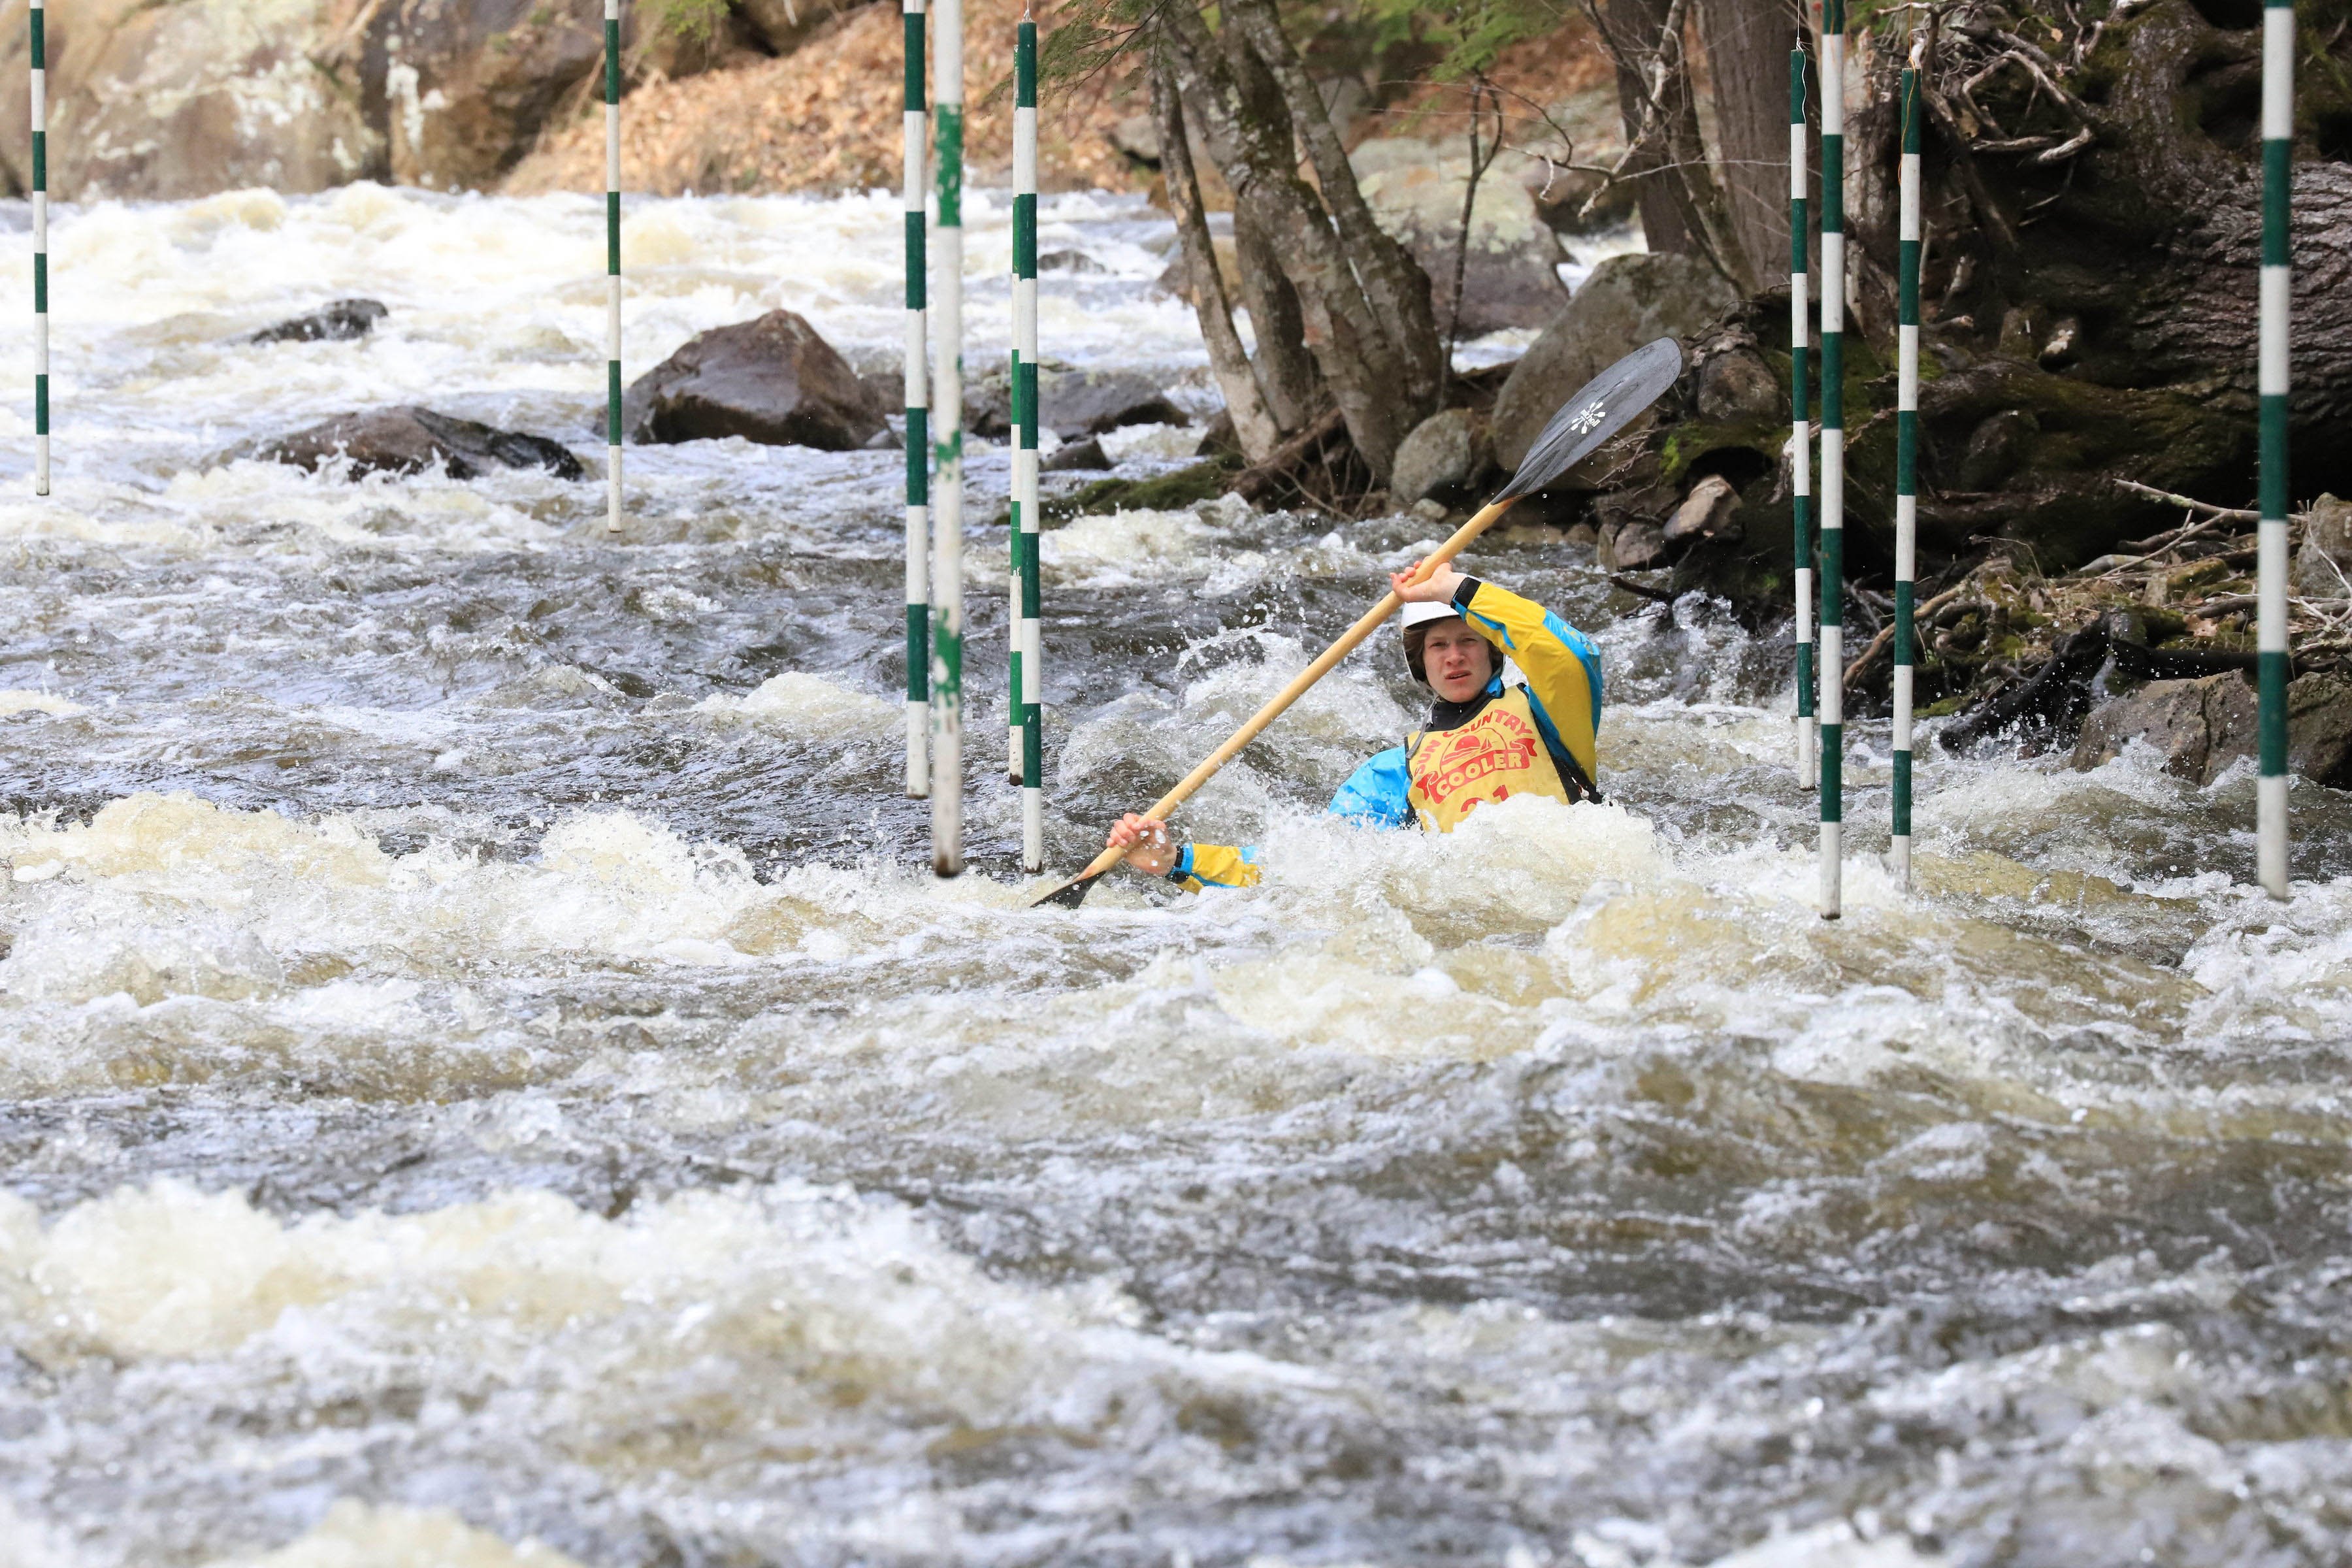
column 2200, row 727
column 772, row 380
column 1442, row 455
column 1510, row 267
column 1711, row 510
column 1073, row 403
column 407, row 439
column 1076, row 457
column 340, row 320
column 1627, row 301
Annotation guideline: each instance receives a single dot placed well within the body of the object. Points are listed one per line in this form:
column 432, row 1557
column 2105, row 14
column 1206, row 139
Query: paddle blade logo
column 1585, row 418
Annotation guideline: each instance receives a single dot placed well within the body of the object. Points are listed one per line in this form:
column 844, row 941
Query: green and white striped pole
column 918, row 430
column 40, row 251
column 2270, row 582
column 1026, row 700
column 1801, row 455
column 1833, row 674
column 947, row 450
column 1907, row 457
column 612, row 265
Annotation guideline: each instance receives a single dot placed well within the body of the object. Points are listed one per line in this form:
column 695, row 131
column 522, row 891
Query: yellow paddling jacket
column 1535, row 738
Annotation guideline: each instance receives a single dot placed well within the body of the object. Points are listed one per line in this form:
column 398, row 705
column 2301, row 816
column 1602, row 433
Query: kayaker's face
column 1459, row 661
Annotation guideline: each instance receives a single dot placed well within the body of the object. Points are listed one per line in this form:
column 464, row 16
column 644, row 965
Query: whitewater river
column 486, row 1076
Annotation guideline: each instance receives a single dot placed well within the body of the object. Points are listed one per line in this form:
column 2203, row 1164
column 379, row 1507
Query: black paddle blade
column 1069, row 895
column 1604, row 406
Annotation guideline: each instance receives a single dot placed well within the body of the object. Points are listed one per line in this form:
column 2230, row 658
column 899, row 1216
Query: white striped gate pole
column 1026, row 698
column 2271, row 368
column 40, row 92
column 612, row 265
column 916, row 125
column 1907, row 457
column 1801, row 455
column 946, row 450
column 1832, row 675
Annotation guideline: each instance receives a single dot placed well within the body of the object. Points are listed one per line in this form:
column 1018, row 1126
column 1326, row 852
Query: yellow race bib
column 1495, row 757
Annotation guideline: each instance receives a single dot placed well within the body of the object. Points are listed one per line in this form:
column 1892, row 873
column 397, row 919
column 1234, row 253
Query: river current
column 486, row 1076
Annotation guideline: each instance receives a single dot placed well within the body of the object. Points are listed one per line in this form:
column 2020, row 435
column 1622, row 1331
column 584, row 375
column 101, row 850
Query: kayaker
column 1485, row 741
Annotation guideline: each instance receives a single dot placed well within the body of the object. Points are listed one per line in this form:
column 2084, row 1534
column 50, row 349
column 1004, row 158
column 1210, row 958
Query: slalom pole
column 1907, row 459
column 1800, row 457
column 1026, row 697
column 947, row 452
column 1833, row 655
column 2278, row 151
column 40, row 93
column 1024, row 316
column 917, row 125
column 612, row 265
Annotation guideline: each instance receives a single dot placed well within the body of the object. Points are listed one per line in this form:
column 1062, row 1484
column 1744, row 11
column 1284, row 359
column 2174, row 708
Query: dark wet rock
column 1077, row 455
column 1073, row 403
column 406, row 439
column 1443, row 455
column 772, row 380
column 1627, row 301
column 1069, row 261
column 1737, row 385
column 338, row 322
column 2200, row 727
column 1219, row 438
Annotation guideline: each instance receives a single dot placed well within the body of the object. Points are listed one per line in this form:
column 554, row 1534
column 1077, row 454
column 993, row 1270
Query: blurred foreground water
column 481, row 1061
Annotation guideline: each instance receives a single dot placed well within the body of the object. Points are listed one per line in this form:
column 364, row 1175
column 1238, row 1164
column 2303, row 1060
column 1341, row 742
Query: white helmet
column 1422, row 615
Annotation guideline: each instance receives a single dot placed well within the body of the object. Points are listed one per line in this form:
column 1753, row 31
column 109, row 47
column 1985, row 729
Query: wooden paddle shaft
column 1348, row 641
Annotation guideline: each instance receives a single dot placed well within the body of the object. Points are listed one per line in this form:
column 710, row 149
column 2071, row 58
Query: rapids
column 486, row 1078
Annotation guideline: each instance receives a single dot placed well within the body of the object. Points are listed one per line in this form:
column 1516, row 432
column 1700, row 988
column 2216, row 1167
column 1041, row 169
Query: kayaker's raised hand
column 1150, row 847
column 1436, row 590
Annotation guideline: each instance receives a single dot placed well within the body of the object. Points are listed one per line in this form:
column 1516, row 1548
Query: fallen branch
column 2239, row 513
column 1885, row 637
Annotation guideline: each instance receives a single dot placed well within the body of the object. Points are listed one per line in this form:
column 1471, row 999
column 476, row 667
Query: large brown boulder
column 1627, row 301
column 179, row 100
column 463, row 86
column 2200, row 727
column 772, row 380
column 406, row 439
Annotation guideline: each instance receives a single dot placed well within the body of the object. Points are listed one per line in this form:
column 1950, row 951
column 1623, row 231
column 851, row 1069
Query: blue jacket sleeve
column 1375, row 793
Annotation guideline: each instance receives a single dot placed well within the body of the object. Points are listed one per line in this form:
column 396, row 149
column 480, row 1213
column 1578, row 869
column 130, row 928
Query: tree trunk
column 1747, row 43
column 1363, row 302
column 1631, row 28
column 1254, row 425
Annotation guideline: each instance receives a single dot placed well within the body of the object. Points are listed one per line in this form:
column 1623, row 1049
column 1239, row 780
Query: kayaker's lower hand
column 1436, row 590
column 1150, row 848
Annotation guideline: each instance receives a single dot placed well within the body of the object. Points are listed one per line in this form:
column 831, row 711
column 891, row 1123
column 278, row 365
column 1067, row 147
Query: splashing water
column 488, row 1081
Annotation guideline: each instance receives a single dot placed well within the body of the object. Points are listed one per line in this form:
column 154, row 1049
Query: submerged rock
column 407, row 439
column 1073, row 403
column 1627, row 301
column 336, row 321
column 2200, row 727
column 772, row 380
column 1077, row 455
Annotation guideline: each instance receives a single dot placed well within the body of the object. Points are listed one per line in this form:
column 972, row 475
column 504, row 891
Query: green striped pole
column 2270, row 585
column 919, row 429
column 1801, row 455
column 1907, row 457
column 612, row 265
column 40, row 251
column 1833, row 674
column 947, row 452
column 1026, row 701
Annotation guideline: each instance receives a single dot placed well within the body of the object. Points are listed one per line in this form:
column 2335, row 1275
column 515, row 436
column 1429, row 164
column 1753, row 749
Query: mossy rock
column 1188, row 486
